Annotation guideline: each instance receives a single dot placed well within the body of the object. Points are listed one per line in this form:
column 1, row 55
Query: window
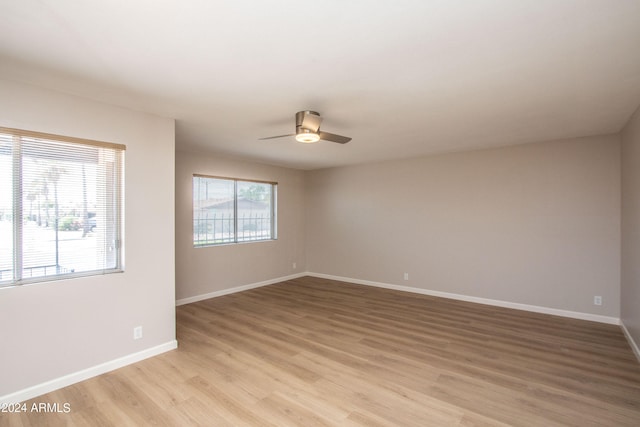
column 227, row 210
column 60, row 207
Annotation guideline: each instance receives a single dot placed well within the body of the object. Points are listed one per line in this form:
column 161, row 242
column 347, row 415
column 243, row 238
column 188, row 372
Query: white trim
column 498, row 303
column 55, row 384
column 241, row 288
column 632, row 343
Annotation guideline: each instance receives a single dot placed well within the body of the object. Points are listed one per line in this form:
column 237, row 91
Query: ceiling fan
column 308, row 130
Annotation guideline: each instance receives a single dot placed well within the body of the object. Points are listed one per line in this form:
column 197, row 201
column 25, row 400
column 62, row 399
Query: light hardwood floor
column 315, row 352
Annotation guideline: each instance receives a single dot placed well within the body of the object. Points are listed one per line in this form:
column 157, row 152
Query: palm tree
column 53, row 175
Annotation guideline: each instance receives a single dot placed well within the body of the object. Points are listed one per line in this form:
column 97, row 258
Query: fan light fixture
column 307, row 137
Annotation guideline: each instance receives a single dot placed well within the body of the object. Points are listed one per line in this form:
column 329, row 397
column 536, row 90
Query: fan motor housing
column 300, row 117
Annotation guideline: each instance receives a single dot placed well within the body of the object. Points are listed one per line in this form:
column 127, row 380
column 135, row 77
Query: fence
column 37, row 271
column 219, row 229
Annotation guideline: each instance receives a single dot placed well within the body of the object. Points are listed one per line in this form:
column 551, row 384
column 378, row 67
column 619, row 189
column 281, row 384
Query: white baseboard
column 498, row 303
column 632, row 343
column 533, row 308
column 55, row 384
column 233, row 290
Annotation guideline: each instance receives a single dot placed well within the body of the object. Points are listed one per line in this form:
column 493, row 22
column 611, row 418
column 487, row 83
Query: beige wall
column 630, row 310
column 200, row 271
column 535, row 224
column 50, row 330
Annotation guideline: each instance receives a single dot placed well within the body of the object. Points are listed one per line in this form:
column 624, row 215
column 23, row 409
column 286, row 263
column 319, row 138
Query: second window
column 228, row 210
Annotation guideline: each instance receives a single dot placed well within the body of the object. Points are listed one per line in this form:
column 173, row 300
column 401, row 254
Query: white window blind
column 60, row 206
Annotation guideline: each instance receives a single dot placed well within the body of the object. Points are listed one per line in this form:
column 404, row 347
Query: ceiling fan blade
column 274, row 137
column 334, row 138
column 311, row 122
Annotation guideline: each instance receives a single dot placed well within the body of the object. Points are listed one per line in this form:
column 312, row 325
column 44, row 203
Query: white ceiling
column 401, row 77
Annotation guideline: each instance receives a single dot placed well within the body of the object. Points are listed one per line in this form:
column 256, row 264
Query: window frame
column 236, row 181
column 116, row 227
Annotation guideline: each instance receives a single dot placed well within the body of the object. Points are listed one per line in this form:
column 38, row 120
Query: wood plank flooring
column 315, row 352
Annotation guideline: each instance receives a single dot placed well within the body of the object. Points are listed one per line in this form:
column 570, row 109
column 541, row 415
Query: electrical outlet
column 597, row 300
column 137, row 332
column 406, row 276
column 294, row 265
